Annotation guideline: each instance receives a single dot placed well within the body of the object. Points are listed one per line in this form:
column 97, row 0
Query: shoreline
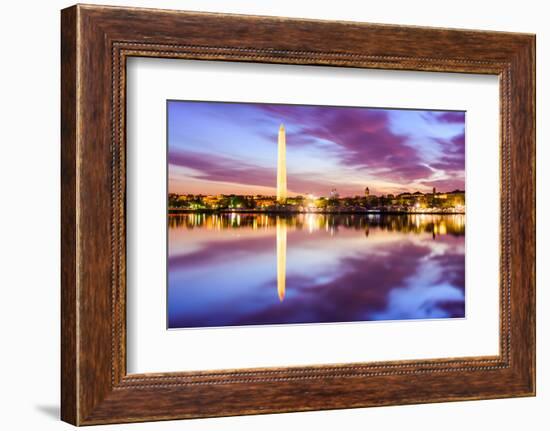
column 176, row 211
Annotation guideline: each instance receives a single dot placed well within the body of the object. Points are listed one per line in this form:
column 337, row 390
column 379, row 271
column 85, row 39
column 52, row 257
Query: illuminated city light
column 432, row 202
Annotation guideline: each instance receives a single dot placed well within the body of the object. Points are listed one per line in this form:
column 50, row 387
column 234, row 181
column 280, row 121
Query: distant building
column 334, row 194
column 265, row 202
column 457, row 197
column 211, row 201
column 367, row 192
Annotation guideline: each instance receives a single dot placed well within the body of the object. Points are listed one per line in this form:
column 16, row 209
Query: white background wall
column 29, row 214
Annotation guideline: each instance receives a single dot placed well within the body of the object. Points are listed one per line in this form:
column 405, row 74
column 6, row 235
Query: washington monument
column 281, row 166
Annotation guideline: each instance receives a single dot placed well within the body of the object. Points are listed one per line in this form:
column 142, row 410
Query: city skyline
column 234, row 148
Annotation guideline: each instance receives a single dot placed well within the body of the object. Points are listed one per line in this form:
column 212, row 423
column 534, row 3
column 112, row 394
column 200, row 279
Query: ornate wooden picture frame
column 96, row 41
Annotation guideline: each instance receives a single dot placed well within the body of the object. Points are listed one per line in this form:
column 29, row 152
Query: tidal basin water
column 232, row 269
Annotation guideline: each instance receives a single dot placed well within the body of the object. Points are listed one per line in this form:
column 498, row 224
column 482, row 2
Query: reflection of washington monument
column 281, row 222
column 281, row 257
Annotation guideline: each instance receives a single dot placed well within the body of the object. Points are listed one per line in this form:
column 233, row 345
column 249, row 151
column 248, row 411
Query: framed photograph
column 263, row 214
column 346, row 254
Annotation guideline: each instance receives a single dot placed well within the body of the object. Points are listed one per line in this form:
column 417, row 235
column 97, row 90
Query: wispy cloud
column 235, row 142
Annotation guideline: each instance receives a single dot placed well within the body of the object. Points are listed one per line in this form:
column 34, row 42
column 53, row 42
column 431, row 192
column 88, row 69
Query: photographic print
column 285, row 214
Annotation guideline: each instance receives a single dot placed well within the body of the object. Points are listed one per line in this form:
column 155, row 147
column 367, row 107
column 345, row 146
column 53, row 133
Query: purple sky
column 232, row 148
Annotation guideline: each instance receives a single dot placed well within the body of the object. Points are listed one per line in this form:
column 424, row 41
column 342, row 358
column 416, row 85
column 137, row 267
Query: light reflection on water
column 251, row 269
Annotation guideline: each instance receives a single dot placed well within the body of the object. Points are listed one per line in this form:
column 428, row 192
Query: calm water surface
column 254, row 269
